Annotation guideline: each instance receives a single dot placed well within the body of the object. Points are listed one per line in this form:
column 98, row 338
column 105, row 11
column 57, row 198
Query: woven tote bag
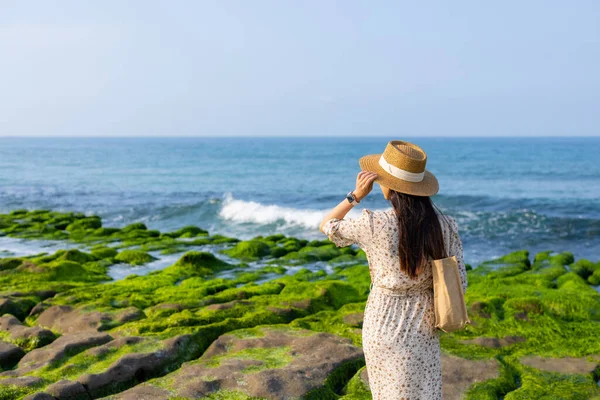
column 448, row 297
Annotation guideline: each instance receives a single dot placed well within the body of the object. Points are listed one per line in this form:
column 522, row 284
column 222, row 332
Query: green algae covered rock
column 137, row 226
column 106, row 231
column 134, row 257
column 85, row 223
column 312, row 254
column 594, row 279
column 104, row 252
column 220, row 239
column 197, row 263
column 249, row 250
column 10, row 263
column 187, row 232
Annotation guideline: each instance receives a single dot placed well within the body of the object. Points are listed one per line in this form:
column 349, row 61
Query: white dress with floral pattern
column 400, row 341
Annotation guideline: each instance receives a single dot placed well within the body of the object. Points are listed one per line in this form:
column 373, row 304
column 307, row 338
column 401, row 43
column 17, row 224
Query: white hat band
column 400, row 173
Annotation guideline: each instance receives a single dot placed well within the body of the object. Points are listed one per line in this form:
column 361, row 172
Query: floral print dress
column 400, row 341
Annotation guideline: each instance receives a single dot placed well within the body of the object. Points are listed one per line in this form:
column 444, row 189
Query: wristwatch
column 352, row 199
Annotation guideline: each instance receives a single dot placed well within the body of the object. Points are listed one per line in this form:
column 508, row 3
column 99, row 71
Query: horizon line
column 294, row 137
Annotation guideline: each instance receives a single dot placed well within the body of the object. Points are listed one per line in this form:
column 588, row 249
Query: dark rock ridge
column 274, row 364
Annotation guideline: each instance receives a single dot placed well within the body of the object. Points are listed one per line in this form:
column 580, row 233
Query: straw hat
column 401, row 167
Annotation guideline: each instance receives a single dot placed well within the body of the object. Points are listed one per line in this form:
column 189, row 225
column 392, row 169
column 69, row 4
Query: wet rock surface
column 275, row 364
column 9, row 355
column 62, row 347
column 24, row 336
column 564, row 365
column 495, row 343
column 458, row 374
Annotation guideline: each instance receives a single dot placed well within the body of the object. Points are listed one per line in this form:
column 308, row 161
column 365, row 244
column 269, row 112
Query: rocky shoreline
column 269, row 318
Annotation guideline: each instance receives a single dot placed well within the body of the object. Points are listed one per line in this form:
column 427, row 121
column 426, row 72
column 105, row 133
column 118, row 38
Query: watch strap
column 352, row 199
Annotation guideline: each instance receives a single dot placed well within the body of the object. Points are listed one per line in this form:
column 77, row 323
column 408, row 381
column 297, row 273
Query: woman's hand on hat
column 364, row 184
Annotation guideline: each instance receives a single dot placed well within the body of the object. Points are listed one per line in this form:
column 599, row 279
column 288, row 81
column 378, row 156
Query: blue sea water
column 506, row 193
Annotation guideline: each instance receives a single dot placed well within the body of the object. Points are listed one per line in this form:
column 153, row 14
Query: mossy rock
column 137, row 226
column 106, row 231
column 322, row 253
column 319, row 243
column 134, row 257
column 85, row 224
column 104, row 252
column 249, row 250
column 187, row 232
column 197, row 263
column 10, row 263
column 594, row 279
column 276, row 238
column 17, row 213
column 63, row 270
column 585, row 268
column 68, row 255
column 516, row 257
column 277, row 251
column 77, row 256
column 220, row 239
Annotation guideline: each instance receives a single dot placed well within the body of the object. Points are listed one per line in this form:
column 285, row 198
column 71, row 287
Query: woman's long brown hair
column 419, row 232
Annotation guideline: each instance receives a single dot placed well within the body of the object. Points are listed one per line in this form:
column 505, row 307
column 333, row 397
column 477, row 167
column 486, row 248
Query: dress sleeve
column 345, row 232
column 456, row 249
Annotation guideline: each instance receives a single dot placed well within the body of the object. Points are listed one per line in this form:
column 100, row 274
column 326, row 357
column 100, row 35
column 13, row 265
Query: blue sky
column 212, row 68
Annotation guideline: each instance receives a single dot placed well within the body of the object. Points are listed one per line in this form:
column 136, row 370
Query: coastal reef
column 88, row 312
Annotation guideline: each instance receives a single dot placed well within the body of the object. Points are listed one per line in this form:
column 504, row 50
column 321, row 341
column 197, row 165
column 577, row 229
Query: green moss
column 75, row 255
column 496, row 388
column 93, row 222
column 187, row 232
column 594, row 279
column 276, row 238
column 102, row 232
column 336, row 380
column 134, row 257
column 220, row 239
column 85, row 363
column 10, row 392
column 516, row 257
column 104, row 252
column 333, row 322
column 356, row 389
column 137, row 226
column 537, row 384
column 197, row 263
column 249, row 250
column 68, row 271
column 172, row 250
column 10, row 263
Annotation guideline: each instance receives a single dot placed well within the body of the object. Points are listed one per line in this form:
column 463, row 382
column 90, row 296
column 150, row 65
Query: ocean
column 506, row 193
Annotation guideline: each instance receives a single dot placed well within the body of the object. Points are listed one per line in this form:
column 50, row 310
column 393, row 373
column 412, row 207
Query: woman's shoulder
column 380, row 218
column 379, row 214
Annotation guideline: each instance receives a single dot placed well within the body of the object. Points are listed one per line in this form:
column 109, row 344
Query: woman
column 402, row 349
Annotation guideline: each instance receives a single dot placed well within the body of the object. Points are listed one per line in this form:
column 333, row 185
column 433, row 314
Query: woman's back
column 377, row 234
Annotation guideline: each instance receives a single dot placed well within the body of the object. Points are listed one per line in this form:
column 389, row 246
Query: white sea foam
column 241, row 211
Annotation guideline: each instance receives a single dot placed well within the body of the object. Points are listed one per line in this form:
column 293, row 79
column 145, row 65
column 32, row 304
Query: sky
column 299, row 68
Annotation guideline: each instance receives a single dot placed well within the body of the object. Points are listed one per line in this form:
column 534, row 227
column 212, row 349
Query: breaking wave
column 241, row 211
